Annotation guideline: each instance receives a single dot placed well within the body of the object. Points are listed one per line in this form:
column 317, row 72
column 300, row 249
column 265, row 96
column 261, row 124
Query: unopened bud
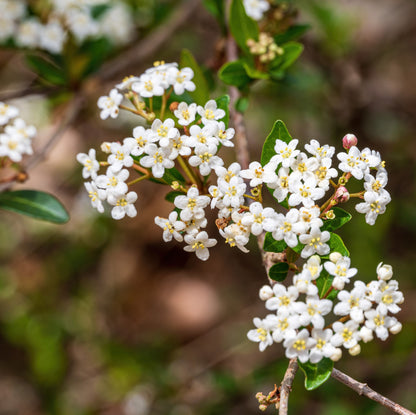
column 21, row 177
column 336, row 355
column 335, row 257
column 263, row 407
column 349, row 140
column 260, row 397
column 342, row 195
column 266, row 292
column 355, row 350
column 330, row 214
column 175, row 185
column 384, row 272
column 174, row 106
column 396, row 328
column 338, row 283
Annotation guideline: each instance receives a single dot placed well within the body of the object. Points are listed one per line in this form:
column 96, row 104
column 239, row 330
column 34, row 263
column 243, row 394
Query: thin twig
column 29, row 90
column 152, row 42
column 286, row 385
column 363, row 389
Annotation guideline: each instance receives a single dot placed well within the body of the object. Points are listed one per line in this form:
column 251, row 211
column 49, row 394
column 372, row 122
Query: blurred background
column 103, row 317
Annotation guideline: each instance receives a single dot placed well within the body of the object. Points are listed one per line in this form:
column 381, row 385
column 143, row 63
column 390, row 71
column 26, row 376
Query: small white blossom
column 180, row 79
column 261, row 334
column 52, row 37
column 312, row 311
column 224, row 135
column 109, row 105
column 171, row 227
column 192, row 205
column 374, row 205
column 96, row 196
column 258, row 174
column 315, row 242
column 123, row 205
column 284, row 299
column 323, row 347
column 352, row 162
column 210, row 112
column 205, row 159
column 257, row 216
column 113, row 182
column 164, row 131
column 185, row 113
column 90, row 163
column 199, row 243
column 299, row 346
column 120, row 156
column 341, row 271
column 345, row 334
column 285, row 153
column 320, row 152
column 158, row 160
column 7, row 112
column 256, row 8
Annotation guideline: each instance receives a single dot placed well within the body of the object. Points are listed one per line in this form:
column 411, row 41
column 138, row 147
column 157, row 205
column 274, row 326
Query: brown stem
column 364, row 389
column 286, row 386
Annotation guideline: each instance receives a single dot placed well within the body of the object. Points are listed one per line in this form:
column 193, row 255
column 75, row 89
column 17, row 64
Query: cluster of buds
column 265, row 48
column 272, row 398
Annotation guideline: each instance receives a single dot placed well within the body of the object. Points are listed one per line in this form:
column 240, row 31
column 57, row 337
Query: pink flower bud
column 349, row 140
column 342, row 195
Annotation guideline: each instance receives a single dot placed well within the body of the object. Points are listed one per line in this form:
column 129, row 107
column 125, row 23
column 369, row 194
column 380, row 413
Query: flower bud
column 263, row 407
column 349, row 140
column 266, row 292
column 330, row 214
column 384, row 272
column 338, row 283
column 355, row 350
column 335, row 257
column 174, row 106
column 342, row 195
column 396, row 328
column 366, row 334
column 337, row 355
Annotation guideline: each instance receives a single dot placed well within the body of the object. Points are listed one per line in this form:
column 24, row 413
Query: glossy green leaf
column 34, row 203
column 294, row 32
column 324, row 283
column 223, row 102
column 341, row 218
column 291, row 52
column 278, row 272
column 279, row 131
column 171, row 196
column 337, row 245
column 216, row 8
column 47, row 69
column 173, row 175
column 271, row 245
column 242, row 104
column 255, row 73
column 201, row 93
column 234, row 73
column 316, row 373
column 242, row 27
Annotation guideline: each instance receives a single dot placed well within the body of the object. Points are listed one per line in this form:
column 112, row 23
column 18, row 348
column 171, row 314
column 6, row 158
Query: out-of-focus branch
column 364, row 389
column 151, row 43
column 29, row 90
column 286, row 386
column 72, row 113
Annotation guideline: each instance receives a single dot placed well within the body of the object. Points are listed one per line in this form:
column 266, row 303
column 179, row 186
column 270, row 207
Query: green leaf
column 278, row 272
column 170, row 197
column 324, row 283
column 39, row 205
column 47, row 69
column 341, row 218
column 242, row 27
column 216, row 8
column 294, row 32
column 316, row 373
column 173, row 175
column 255, row 73
column 291, row 51
column 201, row 93
column 223, row 102
column 337, row 245
column 242, row 104
column 233, row 73
column 271, row 245
column 279, row 131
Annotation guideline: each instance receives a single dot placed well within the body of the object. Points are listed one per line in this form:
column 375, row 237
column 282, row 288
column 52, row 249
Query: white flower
column 226, row 174
column 171, row 227
column 113, row 182
column 261, row 334
column 285, row 153
column 315, row 242
column 310, row 217
column 266, row 292
column 353, row 303
column 192, row 205
column 257, row 216
column 205, row 136
column 352, row 163
column 164, row 131
column 256, row 8
column 7, row 112
column 181, row 80
column 96, row 195
column 324, row 173
column 258, row 174
column 299, row 346
column 304, row 166
column 378, row 322
column 320, row 152
column 388, row 297
column 323, row 347
column 90, row 163
column 236, row 235
column 374, row 205
column 123, row 205
column 52, row 37
column 199, row 243
column 120, row 156
column 303, row 282
column 345, row 334
column 376, row 184
column 127, row 82
column 304, row 191
column 148, row 86
column 284, row 299
column 232, row 191
column 210, row 112
column 7, row 28
column 141, row 138
column 20, row 131
column 283, row 326
column 287, row 228
column 225, row 135
column 157, row 159
column 81, row 24
column 341, row 271
column 370, row 158
column 205, row 159
column 312, row 310
column 384, row 271
column 28, row 33
column 281, row 184
column 313, row 267
column 117, row 24
column 109, row 105
column 185, row 114
column 13, row 147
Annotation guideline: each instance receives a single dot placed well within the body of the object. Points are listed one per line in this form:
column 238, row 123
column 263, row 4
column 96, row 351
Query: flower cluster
column 49, row 26
column 15, row 135
column 265, row 48
column 256, row 8
column 302, row 309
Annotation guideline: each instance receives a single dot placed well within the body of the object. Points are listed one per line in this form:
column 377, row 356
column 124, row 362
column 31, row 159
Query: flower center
column 299, row 345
